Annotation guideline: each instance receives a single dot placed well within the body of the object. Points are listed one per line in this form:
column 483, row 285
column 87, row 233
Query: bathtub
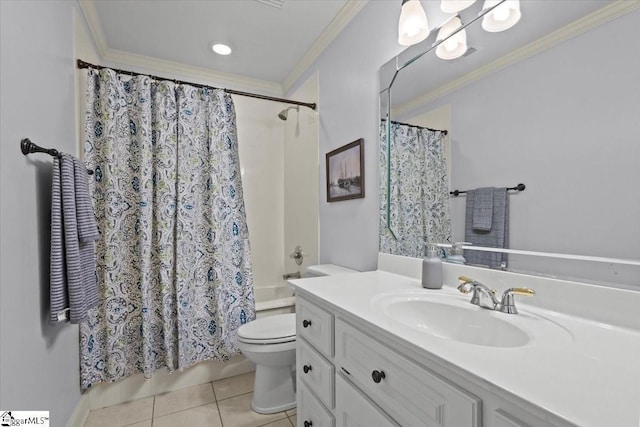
column 275, row 299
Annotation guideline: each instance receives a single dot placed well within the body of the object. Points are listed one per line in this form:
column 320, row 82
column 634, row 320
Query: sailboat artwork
column 345, row 172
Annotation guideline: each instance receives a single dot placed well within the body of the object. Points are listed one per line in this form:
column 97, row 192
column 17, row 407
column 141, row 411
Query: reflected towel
column 73, row 285
column 483, row 208
column 497, row 237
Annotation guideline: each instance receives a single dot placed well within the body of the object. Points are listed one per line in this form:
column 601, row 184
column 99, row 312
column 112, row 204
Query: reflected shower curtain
column 174, row 265
column 418, row 198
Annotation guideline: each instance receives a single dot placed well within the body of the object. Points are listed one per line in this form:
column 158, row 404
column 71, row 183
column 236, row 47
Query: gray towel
column 73, row 232
column 497, row 237
column 483, row 208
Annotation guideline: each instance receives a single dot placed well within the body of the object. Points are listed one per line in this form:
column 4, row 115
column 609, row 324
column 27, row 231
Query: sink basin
column 471, row 325
column 450, row 316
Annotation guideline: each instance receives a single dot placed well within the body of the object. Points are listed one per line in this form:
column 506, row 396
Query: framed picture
column 345, row 172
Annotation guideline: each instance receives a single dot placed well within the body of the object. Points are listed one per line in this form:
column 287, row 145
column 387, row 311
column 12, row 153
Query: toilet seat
column 269, row 330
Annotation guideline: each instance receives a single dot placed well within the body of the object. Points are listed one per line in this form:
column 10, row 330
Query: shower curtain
column 173, row 258
column 417, row 203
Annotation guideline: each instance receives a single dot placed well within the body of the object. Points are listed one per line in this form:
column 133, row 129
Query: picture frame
column 345, row 172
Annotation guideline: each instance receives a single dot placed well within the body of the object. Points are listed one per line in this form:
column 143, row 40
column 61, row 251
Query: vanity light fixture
column 454, row 46
column 221, row 49
column 413, row 26
column 502, row 17
column 454, row 6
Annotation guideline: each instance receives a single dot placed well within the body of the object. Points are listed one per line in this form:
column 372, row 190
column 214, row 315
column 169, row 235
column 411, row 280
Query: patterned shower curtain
column 173, row 259
column 418, row 200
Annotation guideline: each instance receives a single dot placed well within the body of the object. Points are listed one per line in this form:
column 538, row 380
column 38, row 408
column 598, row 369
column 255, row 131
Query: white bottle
column 432, row 268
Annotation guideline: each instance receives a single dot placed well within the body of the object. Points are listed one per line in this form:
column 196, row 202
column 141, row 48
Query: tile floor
column 223, row 403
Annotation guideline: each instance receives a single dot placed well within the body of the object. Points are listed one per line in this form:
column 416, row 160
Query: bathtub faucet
column 296, row 275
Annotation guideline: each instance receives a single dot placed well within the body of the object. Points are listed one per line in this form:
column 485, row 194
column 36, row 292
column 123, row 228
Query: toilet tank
column 327, row 270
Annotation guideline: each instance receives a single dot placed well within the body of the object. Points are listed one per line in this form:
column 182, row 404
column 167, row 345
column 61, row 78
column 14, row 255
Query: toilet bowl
column 270, row 343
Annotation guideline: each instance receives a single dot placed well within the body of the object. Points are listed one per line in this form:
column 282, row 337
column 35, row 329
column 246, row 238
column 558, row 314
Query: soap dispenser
column 455, row 256
column 432, row 268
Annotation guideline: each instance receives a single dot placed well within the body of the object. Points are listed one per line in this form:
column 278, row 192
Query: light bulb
column 502, row 17
column 501, row 13
column 453, row 46
column 413, row 26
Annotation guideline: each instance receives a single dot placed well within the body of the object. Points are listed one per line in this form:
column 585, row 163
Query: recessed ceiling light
column 221, row 49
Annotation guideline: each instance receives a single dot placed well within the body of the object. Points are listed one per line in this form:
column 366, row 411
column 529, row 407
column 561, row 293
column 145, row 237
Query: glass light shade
column 502, row 17
column 456, row 45
column 454, row 6
column 413, row 26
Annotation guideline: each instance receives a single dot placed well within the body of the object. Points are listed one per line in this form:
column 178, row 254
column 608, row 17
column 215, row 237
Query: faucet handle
column 508, row 302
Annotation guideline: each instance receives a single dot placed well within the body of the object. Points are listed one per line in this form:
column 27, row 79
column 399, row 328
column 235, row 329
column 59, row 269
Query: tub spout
column 295, row 275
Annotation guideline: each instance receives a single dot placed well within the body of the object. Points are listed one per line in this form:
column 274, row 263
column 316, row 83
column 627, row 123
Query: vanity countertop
column 592, row 378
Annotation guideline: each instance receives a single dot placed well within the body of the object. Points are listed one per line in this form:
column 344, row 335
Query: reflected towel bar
column 519, row 187
column 28, row 147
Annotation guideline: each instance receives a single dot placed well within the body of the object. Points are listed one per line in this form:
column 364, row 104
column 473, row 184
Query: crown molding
column 164, row 67
column 90, row 13
column 341, row 20
column 599, row 17
column 172, row 69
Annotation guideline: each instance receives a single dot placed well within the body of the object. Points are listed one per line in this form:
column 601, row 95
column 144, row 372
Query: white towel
column 73, row 232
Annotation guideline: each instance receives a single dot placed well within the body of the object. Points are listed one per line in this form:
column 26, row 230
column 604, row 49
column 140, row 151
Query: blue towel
column 483, row 208
column 73, row 285
column 497, row 237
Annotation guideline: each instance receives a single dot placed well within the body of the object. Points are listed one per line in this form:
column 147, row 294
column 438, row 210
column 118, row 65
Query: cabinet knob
column 377, row 376
column 306, row 368
column 306, row 323
column 308, row 424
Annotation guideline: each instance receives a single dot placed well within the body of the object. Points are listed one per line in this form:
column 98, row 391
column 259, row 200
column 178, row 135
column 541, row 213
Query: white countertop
column 589, row 377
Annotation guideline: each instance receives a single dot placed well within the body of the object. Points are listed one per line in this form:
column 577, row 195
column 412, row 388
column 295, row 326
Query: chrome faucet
column 486, row 298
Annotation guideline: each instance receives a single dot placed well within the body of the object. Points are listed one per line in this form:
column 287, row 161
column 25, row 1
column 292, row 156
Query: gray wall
column 566, row 123
column 348, row 107
column 38, row 362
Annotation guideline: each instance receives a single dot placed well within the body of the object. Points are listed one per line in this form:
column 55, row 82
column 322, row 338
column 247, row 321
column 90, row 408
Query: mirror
column 552, row 103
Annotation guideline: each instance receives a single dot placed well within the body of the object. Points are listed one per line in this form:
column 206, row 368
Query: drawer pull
column 306, row 323
column 306, row 368
column 377, row 376
column 308, row 424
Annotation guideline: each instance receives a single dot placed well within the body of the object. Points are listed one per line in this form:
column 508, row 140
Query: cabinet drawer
column 504, row 419
column 353, row 409
column 315, row 371
column 311, row 410
column 315, row 325
column 409, row 393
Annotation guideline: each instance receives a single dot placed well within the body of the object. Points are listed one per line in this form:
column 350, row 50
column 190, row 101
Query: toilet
column 270, row 343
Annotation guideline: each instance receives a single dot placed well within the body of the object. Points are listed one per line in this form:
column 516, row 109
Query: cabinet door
column 315, row 325
column 410, row 393
column 310, row 411
column 353, row 409
column 315, row 371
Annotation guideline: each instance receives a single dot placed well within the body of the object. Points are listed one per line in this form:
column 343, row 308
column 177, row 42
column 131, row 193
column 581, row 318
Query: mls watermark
column 24, row 418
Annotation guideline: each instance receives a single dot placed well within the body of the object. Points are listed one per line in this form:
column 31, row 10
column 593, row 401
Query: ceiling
column 273, row 41
column 543, row 24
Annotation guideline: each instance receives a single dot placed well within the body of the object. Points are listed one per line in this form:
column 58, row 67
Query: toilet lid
column 272, row 329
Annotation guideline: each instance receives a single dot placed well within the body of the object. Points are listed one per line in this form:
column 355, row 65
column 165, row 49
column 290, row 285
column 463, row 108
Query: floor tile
column 234, row 386
column 237, row 412
column 291, row 412
column 186, row 398
column 279, row 423
column 121, row 415
column 294, row 420
column 201, row 416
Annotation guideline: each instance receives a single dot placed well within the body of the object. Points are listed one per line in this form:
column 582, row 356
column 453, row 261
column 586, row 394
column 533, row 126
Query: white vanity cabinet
column 346, row 375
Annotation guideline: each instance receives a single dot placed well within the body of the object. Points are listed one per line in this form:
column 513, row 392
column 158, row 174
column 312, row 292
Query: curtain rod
column 416, row 126
column 83, row 64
